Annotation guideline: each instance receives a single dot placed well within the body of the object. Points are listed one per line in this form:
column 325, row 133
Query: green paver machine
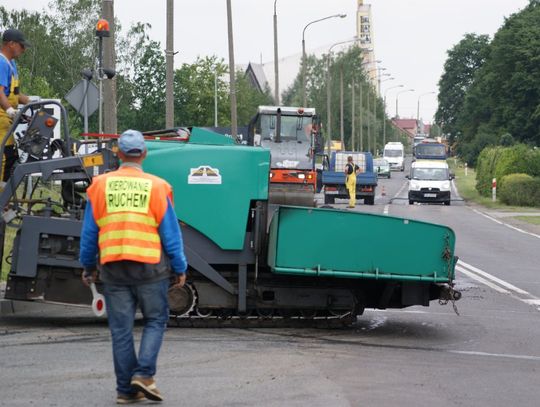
column 246, row 261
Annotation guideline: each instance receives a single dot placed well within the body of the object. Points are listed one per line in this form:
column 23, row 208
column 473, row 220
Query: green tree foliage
column 248, row 98
column 64, row 42
column 329, row 70
column 194, row 90
column 501, row 104
column 463, row 62
column 498, row 162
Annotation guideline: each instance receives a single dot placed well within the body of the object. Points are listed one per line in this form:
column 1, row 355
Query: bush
column 497, row 162
column 485, row 169
column 520, row 190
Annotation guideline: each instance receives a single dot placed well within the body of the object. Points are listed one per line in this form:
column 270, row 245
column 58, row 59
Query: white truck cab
column 394, row 153
column 429, row 181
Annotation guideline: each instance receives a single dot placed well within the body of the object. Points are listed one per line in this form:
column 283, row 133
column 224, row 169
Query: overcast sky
column 411, row 37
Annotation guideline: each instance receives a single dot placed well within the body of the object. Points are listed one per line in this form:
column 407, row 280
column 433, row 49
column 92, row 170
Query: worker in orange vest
column 129, row 219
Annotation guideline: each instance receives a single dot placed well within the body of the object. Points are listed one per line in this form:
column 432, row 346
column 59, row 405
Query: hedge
column 520, row 190
column 497, row 162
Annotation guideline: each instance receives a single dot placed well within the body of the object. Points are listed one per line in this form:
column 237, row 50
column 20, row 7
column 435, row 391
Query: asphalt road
column 489, row 355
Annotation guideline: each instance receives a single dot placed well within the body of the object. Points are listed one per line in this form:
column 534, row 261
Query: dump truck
column 333, row 177
column 292, row 134
column 245, row 261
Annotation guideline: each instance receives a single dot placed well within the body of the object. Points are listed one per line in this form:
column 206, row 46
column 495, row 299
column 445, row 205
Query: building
column 365, row 34
column 408, row 126
column 256, row 76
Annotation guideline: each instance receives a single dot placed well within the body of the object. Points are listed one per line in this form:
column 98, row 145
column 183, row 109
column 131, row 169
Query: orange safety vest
column 128, row 206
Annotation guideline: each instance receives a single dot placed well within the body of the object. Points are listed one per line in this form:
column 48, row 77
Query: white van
column 429, row 181
column 394, row 153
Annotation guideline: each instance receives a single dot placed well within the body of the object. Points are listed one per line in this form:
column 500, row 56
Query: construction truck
column 246, row 262
column 292, row 134
column 334, row 179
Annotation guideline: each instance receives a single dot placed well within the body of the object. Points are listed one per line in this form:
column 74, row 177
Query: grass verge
column 466, row 185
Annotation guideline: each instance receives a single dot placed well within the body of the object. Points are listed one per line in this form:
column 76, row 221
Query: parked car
column 381, row 167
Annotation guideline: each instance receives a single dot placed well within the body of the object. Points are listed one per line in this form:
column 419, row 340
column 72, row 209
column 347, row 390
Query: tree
column 346, row 64
column 463, row 62
column 194, row 93
column 501, row 103
column 249, row 99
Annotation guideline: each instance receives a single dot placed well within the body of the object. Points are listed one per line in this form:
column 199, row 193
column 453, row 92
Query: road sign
column 75, row 97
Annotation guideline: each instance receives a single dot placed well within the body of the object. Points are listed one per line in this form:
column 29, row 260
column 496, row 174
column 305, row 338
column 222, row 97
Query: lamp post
column 232, row 80
column 384, row 101
column 362, row 107
column 328, row 87
column 304, row 100
column 418, row 104
column 397, row 97
column 276, row 64
column 378, row 70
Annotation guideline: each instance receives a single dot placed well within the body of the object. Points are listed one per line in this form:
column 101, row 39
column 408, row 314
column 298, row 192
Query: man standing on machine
column 13, row 45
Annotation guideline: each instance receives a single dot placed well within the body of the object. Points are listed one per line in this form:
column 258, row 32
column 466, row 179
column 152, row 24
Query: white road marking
column 497, row 355
column 497, row 284
column 401, row 189
column 482, row 280
column 506, row 224
column 493, row 278
column 385, row 210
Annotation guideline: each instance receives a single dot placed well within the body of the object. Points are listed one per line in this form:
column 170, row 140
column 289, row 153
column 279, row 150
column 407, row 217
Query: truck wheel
column 411, row 202
column 447, row 203
column 329, row 200
column 369, row 200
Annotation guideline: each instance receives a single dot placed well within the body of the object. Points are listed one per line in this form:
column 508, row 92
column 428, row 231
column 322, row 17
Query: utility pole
column 109, row 61
column 232, row 80
column 353, row 118
column 342, row 125
column 368, row 120
column 169, row 72
column 361, row 117
column 276, row 61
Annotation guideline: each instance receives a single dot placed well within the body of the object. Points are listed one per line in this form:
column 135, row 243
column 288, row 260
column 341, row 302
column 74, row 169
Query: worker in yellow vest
column 130, row 221
column 13, row 46
column 351, row 170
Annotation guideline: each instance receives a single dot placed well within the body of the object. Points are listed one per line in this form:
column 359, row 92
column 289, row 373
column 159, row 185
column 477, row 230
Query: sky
column 411, row 37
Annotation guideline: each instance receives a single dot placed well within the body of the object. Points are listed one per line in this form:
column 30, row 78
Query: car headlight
column 446, row 185
column 415, row 186
column 301, row 176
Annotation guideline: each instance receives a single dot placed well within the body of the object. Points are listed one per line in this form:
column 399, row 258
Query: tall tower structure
column 364, row 32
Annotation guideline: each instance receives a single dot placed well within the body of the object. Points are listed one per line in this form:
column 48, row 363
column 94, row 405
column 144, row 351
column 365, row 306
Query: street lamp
column 397, row 97
column 304, row 52
column 328, row 86
column 384, row 101
column 276, row 67
column 418, row 104
column 361, row 106
column 378, row 70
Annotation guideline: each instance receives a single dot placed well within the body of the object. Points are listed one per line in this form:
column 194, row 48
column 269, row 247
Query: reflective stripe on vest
column 128, row 205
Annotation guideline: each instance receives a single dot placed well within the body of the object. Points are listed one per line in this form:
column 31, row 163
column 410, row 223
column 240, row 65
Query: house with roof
column 256, row 76
column 408, row 126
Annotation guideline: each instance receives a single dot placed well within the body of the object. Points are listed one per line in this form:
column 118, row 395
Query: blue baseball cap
column 131, row 143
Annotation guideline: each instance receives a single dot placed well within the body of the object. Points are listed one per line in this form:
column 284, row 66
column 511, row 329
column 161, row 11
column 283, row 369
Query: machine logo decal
column 204, row 174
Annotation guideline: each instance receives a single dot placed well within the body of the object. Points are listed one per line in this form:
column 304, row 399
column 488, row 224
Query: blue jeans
column 121, row 302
